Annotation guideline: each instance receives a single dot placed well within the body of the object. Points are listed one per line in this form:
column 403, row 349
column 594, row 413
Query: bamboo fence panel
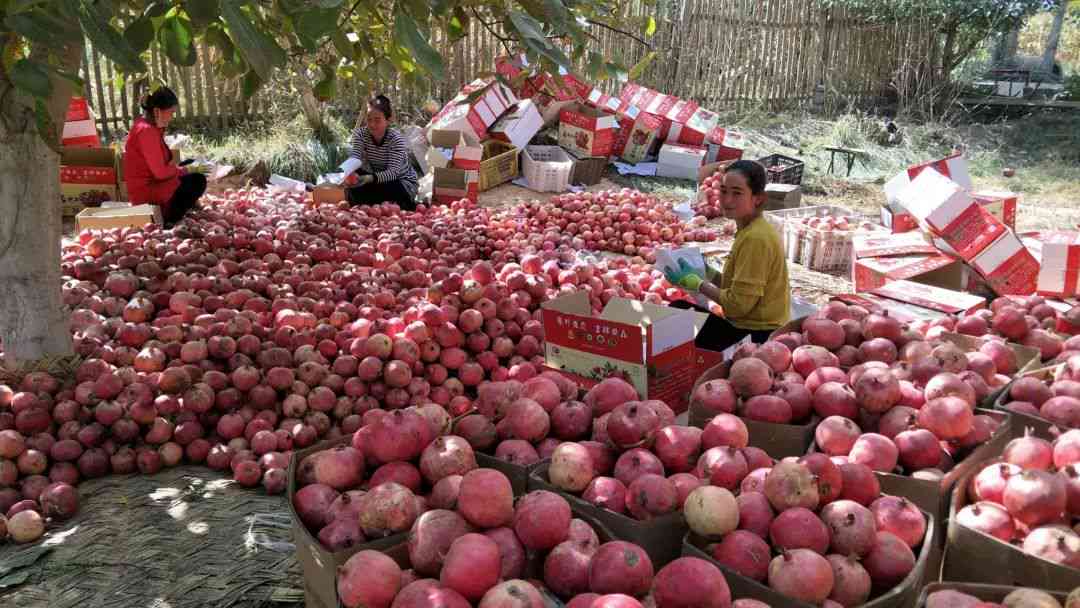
column 722, row 55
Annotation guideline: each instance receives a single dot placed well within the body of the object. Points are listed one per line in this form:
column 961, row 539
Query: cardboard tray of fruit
column 319, row 564
column 1023, row 421
column 972, row 556
column 778, row 440
column 900, row 596
column 986, row 593
column 660, row 536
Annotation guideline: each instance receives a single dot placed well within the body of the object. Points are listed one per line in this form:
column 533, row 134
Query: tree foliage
column 368, row 40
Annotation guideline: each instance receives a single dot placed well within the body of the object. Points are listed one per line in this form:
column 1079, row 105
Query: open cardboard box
column 1021, row 423
column 88, row 177
column 651, row 347
column 986, row 593
column 104, row 218
column 972, row 556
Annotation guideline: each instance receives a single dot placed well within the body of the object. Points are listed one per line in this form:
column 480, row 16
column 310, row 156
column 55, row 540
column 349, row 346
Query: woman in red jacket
column 151, row 172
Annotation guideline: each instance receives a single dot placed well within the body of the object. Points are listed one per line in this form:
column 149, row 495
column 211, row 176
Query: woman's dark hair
column 382, row 104
column 161, row 99
column 753, row 171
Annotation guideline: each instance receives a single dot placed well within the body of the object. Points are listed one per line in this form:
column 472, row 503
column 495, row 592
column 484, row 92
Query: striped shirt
column 388, row 161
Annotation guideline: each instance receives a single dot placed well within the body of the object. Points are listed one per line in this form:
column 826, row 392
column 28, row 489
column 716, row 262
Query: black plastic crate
column 783, row 169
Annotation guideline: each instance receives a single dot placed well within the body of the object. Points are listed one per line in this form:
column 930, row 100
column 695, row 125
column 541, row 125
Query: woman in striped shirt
column 386, row 173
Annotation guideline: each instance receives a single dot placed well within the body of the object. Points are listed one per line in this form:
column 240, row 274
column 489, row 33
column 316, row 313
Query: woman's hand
column 354, row 180
column 685, row 276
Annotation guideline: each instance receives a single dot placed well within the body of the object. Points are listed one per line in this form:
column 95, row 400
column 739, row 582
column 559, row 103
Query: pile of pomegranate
column 811, row 529
column 708, row 201
column 1031, row 497
column 624, row 221
column 1021, row 596
column 261, row 325
column 476, row 548
column 888, row 395
column 1029, row 321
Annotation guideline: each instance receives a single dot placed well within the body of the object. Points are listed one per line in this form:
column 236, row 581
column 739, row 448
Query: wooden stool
column 849, row 155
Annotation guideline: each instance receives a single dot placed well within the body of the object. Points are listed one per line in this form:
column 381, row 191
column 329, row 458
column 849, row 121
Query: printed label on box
column 870, row 273
column 1001, row 205
column 877, row 244
column 927, row 296
column 972, row 231
column 587, row 132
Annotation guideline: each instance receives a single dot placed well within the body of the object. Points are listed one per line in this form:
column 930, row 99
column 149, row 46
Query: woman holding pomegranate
column 150, row 170
column 753, row 286
column 386, row 173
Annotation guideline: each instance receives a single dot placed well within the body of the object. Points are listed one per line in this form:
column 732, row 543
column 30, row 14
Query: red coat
column 148, row 170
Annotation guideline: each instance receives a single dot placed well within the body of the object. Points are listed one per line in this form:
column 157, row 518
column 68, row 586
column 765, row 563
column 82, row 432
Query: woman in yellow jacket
column 753, row 287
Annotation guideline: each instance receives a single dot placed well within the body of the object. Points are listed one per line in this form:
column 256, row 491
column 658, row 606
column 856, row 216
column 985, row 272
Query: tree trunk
column 948, row 52
column 1053, row 37
column 33, row 321
column 312, row 109
column 1006, row 47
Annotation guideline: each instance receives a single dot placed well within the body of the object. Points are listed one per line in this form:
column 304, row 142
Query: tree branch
column 490, row 27
column 629, row 35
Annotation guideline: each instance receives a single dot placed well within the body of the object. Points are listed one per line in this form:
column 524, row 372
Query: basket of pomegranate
column 807, row 531
column 819, row 237
column 971, row 595
column 489, row 551
column 366, row 490
column 1045, row 400
column 1030, row 321
column 1012, row 518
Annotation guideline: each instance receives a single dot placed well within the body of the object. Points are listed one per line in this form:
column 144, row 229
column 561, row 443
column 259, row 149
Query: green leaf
column 640, row 67
column 458, row 25
column 533, row 38
column 42, row 28
column 650, row 26
column 139, row 34
column 259, row 49
column 31, row 77
column 250, row 84
column 407, row 33
column 105, row 38
column 326, row 89
column 202, row 12
column 342, row 44
column 156, row 9
column 177, row 39
column 314, row 24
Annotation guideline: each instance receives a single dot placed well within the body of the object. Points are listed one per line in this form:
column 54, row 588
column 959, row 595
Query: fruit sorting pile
column 263, row 324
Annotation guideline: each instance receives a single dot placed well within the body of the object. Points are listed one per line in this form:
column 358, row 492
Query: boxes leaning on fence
column 636, row 135
column 547, row 168
column 87, row 178
column 586, row 131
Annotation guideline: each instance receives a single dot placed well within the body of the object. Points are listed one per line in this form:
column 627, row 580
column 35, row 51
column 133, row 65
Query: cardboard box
column 601, row 101
column 318, row 564
column 80, row 126
column 724, row 144
column 452, row 184
column 586, row 131
column 1008, row 267
column 900, row 596
column 695, row 129
column 972, row 556
column 130, row 216
column 781, row 196
column 636, row 136
column 1001, row 205
column 87, row 178
column 953, row 167
column 659, row 537
column 518, row 126
column 474, row 117
column 885, row 244
column 443, row 142
column 903, row 311
column 937, row 270
column 928, row 296
column 1058, row 253
column 949, row 211
column 651, row 347
column 677, row 160
column 986, row 593
column 328, row 195
column 547, row 168
column 898, row 221
column 555, row 93
column 779, row 440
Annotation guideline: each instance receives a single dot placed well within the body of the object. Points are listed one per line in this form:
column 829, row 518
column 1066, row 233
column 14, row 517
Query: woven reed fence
column 721, row 53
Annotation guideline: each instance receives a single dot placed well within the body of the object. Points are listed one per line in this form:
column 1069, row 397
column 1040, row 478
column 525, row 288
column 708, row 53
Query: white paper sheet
column 646, row 169
column 350, row 165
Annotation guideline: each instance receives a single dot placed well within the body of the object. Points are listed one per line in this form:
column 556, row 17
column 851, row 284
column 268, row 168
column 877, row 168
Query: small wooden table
column 849, row 156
